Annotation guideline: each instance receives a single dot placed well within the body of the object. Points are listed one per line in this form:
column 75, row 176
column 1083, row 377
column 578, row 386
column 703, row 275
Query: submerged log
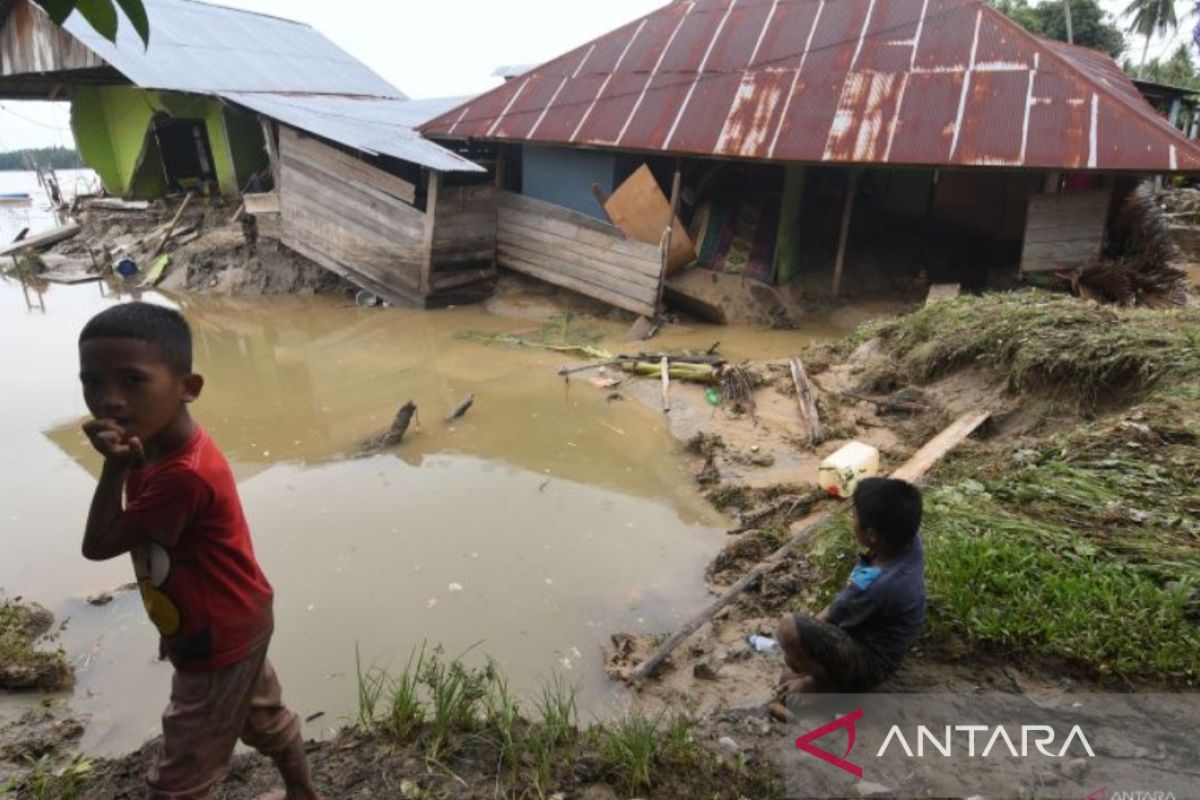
column 392, row 436
column 462, row 407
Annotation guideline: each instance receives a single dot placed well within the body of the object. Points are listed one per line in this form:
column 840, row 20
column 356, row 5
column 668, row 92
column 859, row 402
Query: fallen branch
column 461, row 408
column 187, row 198
column 912, row 471
column 807, row 400
column 886, row 404
column 788, row 503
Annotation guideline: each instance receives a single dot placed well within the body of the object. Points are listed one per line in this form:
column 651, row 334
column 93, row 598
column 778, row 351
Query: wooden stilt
column 847, row 213
column 676, row 184
column 431, row 201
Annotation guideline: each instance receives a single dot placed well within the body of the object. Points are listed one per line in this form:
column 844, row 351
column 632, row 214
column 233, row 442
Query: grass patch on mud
column 1081, row 545
column 22, row 664
column 466, row 720
column 1041, row 342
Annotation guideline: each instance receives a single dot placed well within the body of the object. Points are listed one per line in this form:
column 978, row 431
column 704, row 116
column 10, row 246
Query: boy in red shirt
column 182, row 522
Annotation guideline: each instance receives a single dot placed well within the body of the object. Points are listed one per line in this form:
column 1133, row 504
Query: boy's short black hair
column 165, row 328
column 889, row 507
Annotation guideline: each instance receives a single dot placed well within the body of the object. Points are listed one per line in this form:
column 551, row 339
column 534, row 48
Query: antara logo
column 805, row 742
column 1041, row 736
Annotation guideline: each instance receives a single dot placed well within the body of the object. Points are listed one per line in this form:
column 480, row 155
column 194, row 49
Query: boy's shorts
column 848, row 663
column 209, row 711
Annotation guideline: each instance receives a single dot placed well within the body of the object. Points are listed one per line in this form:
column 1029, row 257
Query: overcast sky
column 434, row 48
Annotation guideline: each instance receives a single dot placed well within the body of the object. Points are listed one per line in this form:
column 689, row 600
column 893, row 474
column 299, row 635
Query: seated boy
column 861, row 637
column 181, row 520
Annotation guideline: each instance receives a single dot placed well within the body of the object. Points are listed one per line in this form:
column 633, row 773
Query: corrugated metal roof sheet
column 277, row 67
column 906, row 82
column 198, row 47
column 371, row 124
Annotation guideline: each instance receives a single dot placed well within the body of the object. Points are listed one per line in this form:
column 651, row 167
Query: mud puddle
column 530, row 530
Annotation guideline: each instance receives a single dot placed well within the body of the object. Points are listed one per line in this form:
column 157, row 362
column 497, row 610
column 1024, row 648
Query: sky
column 435, row 48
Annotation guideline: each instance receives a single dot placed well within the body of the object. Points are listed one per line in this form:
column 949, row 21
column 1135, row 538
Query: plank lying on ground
column 806, row 398
column 912, row 470
column 115, row 204
column 261, row 203
column 187, row 198
column 42, row 239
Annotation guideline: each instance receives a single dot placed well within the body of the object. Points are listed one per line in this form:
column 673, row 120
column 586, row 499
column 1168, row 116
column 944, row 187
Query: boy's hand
column 110, row 441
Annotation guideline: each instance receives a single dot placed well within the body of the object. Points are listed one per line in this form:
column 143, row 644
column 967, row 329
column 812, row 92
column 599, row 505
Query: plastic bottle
column 763, row 644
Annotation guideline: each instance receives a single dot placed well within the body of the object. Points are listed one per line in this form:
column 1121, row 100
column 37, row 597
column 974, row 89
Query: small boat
column 15, row 197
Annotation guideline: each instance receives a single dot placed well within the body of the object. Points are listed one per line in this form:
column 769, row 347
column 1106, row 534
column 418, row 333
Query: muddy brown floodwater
column 529, row 530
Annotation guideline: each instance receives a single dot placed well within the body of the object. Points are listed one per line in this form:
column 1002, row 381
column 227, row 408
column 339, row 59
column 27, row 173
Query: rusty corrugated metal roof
column 906, row 82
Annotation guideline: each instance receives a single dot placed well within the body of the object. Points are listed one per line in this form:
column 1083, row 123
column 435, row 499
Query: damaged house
column 811, row 146
column 223, row 101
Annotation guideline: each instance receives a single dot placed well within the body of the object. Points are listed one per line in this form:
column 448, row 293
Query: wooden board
column 574, row 251
column 942, row 291
column 262, row 203
column 346, row 166
column 329, row 214
column 640, row 209
column 31, row 243
column 1064, row 230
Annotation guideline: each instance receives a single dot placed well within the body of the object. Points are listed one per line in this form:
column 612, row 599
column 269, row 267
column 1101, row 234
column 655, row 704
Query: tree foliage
column 54, row 157
column 1091, row 26
column 101, row 15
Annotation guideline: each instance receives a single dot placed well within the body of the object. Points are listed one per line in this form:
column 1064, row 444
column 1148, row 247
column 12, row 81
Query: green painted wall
column 111, row 124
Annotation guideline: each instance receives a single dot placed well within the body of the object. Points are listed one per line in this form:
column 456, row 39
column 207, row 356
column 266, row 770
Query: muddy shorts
column 848, row 664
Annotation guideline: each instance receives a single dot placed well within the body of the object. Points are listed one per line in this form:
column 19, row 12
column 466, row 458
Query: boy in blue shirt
column 862, row 636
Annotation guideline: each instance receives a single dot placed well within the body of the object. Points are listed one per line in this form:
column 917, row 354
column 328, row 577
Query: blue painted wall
column 564, row 177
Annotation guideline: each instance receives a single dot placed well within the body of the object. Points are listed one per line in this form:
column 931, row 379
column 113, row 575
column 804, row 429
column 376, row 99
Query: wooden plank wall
column 463, row 246
column 30, row 43
column 577, row 252
column 350, row 220
column 1064, row 230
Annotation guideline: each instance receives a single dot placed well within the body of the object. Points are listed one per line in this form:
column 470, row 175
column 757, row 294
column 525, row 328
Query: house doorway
column 186, row 153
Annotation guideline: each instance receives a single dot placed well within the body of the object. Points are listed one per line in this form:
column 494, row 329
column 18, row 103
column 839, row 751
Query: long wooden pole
column 912, row 471
column 676, row 186
column 847, row 213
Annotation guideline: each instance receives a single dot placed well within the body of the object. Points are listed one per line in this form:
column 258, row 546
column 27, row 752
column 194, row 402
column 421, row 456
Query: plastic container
column 841, row 472
column 763, row 644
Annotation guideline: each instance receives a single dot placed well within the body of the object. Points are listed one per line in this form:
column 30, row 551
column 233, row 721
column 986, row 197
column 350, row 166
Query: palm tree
column 1150, row 18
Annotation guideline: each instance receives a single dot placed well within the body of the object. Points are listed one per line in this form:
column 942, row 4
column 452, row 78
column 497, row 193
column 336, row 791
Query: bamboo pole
column 847, row 213
column 912, row 470
column 665, row 366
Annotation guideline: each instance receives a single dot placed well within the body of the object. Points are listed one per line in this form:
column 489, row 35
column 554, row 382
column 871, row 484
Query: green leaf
column 101, row 15
column 58, row 10
column 136, row 12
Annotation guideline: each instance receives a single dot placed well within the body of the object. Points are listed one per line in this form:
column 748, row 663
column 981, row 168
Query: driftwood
column 790, row 503
column 806, row 398
column 461, row 408
column 187, row 198
column 913, row 471
column 665, row 366
column 42, row 240
column 392, row 436
column 887, row 404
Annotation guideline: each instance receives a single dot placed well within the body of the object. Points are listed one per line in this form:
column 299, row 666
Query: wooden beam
column 806, row 399
column 431, row 201
column 847, row 213
column 268, row 132
column 913, row 470
column 676, row 183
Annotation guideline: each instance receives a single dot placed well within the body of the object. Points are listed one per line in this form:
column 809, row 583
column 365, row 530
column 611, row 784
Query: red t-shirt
column 202, row 588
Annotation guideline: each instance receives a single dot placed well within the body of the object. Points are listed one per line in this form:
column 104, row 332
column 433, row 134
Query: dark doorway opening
column 186, row 153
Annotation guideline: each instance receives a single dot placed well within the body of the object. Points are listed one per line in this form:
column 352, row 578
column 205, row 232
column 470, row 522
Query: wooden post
column 847, row 212
column 676, row 183
column 431, row 201
column 501, row 167
column 268, row 131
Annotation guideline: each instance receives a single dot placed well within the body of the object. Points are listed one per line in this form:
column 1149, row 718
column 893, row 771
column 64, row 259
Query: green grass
column 1082, row 544
column 1037, row 341
column 454, row 712
column 42, row 780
